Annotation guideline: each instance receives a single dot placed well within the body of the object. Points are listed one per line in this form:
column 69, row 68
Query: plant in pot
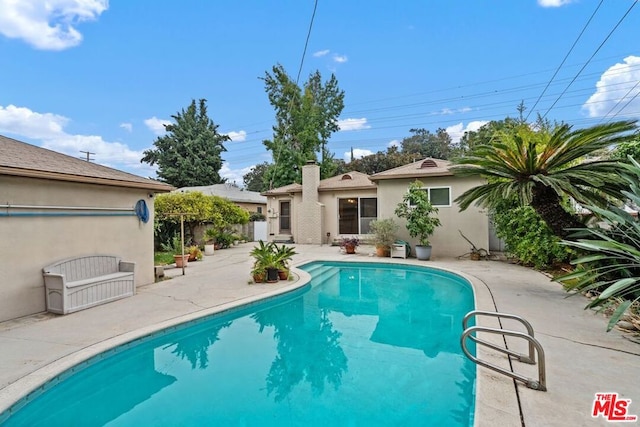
column 419, row 213
column 284, row 254
column 265, row 260
column 195, row 253
column 350, row 244
column 383, row 235
column 209, row 241
column 180, row 255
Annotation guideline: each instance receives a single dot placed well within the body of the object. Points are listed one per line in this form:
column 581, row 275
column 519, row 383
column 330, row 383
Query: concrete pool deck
column 581, row 358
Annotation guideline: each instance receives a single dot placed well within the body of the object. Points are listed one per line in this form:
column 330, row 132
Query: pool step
column 323, row 274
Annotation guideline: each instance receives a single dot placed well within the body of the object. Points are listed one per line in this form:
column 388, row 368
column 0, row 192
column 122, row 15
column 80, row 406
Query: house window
column 439, row 196
column 355, row 214
column 259, row 209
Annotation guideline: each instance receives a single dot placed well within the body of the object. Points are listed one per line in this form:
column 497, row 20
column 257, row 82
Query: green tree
column 381, row 161
column 543, row 167
column 198, row 209
column 305, row 119
column 426, row 144
column 256, row 179
column 190, row 154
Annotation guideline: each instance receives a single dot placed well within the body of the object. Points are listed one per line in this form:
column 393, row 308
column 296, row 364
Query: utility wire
column 625, row 105
column 594, row 54
column 563, row 61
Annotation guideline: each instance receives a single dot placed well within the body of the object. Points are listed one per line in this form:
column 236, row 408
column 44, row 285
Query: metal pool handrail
column 534, row 345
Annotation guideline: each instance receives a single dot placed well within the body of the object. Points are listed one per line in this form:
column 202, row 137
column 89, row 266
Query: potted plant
column 350, row 244
column 284, row 254
column 265, row 260
column 180, row 256
column 383, row 235
column 195, row 253
column 209, row 241
column 418, row 211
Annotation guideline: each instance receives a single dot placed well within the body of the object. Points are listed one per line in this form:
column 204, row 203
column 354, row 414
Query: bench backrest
column 85, row 267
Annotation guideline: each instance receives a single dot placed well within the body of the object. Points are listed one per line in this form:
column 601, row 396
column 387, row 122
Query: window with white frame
column 355, row 214
column 439, row 196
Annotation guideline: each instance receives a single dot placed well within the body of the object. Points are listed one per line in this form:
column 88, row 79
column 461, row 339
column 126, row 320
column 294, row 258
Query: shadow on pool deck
column 581, row 358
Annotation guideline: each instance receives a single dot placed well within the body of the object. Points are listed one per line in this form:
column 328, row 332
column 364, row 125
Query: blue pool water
column 364, row 345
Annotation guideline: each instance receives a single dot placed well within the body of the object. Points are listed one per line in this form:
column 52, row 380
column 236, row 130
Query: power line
column 565, row 58
column 594, row 54
column 306, row 43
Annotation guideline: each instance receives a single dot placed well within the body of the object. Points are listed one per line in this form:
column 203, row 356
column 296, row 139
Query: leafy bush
column 612, row 266
column 527, row 236
column 256, row 216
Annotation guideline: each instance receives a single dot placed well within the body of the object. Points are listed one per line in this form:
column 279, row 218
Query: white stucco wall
column 30, row 243
column 446, row 240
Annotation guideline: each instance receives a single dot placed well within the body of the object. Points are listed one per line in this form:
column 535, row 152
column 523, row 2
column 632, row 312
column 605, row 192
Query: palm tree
column 542, row 168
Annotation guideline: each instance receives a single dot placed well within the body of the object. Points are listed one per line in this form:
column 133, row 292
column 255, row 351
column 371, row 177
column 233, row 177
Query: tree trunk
column 546, row 203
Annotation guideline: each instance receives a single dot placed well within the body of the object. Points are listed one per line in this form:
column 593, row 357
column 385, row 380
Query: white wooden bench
column 78, row 283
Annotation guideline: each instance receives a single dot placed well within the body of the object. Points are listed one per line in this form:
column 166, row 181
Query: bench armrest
column 53, row 280
column 128, row 267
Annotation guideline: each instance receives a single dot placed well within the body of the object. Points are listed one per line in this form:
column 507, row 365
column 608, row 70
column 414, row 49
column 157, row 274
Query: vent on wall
column 346, row 176
column 429, row 163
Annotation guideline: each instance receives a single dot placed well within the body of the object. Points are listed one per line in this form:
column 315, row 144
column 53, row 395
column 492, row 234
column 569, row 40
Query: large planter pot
column 383, row 251
column 423, row 252
column 209, row 249
column 181, row 261
column 272, row 275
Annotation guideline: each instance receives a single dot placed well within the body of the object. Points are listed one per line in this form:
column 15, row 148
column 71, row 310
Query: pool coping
column 501, row 410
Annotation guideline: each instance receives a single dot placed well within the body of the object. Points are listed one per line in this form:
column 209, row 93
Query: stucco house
column 318, row 211
column 53, row 207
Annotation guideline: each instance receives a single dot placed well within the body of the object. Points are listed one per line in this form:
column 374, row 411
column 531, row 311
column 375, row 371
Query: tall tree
column 423, row 144
column 381, row 161
column 305, row 119
column 542, row 167
column 190, row 153
column 255, row 179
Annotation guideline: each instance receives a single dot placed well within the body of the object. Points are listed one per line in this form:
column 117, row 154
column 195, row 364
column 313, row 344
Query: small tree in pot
column 383, row 235
column 417, row 210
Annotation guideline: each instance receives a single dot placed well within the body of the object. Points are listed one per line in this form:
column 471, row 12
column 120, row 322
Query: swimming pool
column 363, row 344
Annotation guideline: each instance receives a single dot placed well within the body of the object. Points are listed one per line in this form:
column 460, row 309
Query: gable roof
column 347, row 181
column 353, row 180
column 18, row 158
column 228, row 191
column 419, row 169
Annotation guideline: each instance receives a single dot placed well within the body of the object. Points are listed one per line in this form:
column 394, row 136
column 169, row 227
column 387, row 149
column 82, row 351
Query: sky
column 104, row 76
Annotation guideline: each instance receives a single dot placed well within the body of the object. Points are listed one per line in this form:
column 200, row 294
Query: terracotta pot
column 181, row 261
column 383, row 251
column 350, row 249
column 283, row 274
column 259, row 278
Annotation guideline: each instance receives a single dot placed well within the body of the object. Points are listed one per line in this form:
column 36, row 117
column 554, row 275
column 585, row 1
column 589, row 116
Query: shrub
column 527, row 236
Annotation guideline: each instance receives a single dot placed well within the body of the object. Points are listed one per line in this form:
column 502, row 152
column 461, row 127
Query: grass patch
column 163, row 258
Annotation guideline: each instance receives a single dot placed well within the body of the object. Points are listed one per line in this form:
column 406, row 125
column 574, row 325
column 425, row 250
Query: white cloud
column 394, row 143
column 358, row 153
column 234, row 175
column 237, row 136
column 448, row 111
column 49, row 128
column 457, row 131
column 340, row 58
column 616, row 84
column 353, row 124
column 554, row 3
column 320, row 53
column 156, row 125
column 48, row 25
column 127, row 126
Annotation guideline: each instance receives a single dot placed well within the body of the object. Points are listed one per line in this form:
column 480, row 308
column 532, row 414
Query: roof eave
column 408, row 175
column 158, row 187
